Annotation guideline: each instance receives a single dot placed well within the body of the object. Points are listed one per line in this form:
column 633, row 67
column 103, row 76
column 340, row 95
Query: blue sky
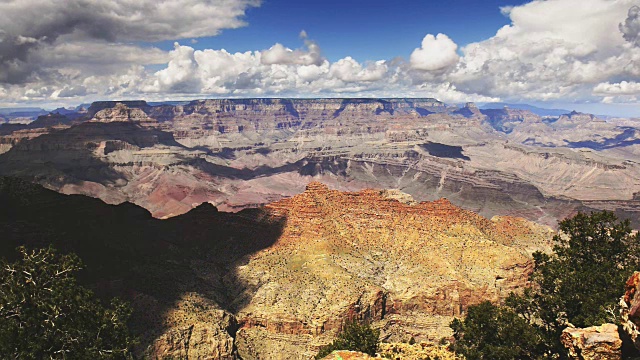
column 362, row 29
column 573, row 54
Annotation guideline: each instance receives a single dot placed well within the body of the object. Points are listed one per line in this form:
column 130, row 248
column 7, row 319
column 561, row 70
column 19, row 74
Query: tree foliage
column 493, row 332
column 355, row 337
column 579, row 283
column 46, row 314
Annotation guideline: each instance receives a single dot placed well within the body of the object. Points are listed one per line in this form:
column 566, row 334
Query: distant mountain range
column 33, row 112
column 534, row 109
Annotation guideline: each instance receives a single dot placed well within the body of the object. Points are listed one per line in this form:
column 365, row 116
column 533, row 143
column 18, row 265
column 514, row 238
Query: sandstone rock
column 362, row 255
column 196, row 329
column 629, row 305
column 593, row 343
column 347, row 355
column 423, row 350
column 121, row 112
column 279, row 282
column 199, row 341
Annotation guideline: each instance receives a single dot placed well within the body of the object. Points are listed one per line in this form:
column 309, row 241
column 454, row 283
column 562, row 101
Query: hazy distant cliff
column 239, row 153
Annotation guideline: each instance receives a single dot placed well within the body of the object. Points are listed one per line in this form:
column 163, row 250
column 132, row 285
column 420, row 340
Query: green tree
column 498, row 333
column 45, row 314
column 583, row 279
column 355, row 337
column 580, row 283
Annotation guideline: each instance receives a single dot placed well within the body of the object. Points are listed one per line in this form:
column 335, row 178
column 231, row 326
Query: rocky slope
column 277, row 282
column 410, row 268
column 239, row 153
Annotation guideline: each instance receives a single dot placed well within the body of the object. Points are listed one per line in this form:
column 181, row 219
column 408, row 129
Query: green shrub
column 45, row 314
column 355, row 337
column 494, row 332
column 580, row 283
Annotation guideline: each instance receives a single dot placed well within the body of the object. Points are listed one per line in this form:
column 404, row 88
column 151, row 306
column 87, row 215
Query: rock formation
column 240, row 153
column 629, row 304
column 593, row 343
column 408, row 268
column 278, row 282
column 609, row 341
column 347, row 355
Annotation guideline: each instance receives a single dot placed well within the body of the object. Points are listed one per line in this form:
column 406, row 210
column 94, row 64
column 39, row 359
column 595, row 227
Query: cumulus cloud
column 556, row 49
column 570, row 50
column 311, row 54
column 621, row 88
column 436, row 53
column 222, row 73
column 179, row 76
column 631, row 27
column 29, row 25
column 349, row 70
column 69, row 92
column 278, row 54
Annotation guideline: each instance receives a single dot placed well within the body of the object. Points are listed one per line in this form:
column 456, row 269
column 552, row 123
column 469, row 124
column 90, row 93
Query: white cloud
column 621, row 88
column 179, row 75
column 349, row 70
column 278, row 54
column 311, row 54
column 31, row 26
column 437, row 53
column 555, row 49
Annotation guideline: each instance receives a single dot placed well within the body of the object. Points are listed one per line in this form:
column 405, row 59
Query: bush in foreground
column 45, row 314
column 579, row 283
column 354, row 337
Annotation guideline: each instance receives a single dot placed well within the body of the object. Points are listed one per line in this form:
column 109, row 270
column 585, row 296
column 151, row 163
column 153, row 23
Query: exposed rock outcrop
column 593, row 343
column 361, row 255
column 422, row 350
column 279, row 282
column 347, row 355
column 630, row 305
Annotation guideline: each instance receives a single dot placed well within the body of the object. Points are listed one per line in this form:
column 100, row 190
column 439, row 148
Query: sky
column 572, row 54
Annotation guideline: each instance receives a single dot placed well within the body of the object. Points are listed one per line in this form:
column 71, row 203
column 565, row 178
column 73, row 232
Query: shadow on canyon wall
column 127, row 252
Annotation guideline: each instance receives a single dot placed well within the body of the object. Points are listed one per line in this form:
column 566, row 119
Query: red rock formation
column 362, row 255
column 630, row 305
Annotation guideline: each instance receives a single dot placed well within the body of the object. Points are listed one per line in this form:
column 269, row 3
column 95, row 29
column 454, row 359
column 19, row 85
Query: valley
column 244, row 153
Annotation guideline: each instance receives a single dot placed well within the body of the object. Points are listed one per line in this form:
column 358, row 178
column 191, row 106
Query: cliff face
column 408, row 268
column 278, row 282
column 240, row 153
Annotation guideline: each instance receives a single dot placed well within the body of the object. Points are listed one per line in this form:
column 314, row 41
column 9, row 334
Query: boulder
column 629, row 304
column 596, row 342
column 347, row 355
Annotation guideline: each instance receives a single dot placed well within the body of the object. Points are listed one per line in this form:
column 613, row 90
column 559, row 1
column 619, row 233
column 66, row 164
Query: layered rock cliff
column 239, row 153
column 408, row 268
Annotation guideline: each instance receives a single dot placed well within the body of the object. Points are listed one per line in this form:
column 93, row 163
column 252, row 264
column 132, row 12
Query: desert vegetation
column 354, row 336
column 46, row 314
column 579, row 284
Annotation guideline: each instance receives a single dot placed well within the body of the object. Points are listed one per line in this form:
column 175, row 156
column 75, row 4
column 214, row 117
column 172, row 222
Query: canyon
column 278, row 281
column 243, row 153
column 252, row 228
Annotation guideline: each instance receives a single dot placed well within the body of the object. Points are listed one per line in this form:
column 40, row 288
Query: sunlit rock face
column 239, row 153
column 409, row 268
